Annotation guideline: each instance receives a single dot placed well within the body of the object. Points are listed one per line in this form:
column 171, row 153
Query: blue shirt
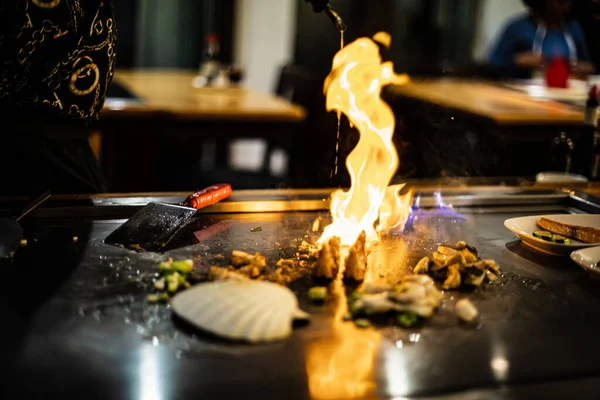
column 519, row 35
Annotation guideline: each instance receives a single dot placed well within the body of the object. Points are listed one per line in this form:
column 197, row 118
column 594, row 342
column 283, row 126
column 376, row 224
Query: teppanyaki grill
column 538, row 323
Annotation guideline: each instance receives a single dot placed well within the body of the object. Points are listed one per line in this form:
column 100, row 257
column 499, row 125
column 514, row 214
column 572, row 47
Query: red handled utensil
column 152, row 227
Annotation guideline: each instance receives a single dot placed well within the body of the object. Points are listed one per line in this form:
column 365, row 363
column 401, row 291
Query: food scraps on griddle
column 413, row 300
column 173, row 277
column 458, row 266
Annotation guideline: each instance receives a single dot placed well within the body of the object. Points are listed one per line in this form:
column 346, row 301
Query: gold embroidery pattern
column 46, row 4
column 57, row 55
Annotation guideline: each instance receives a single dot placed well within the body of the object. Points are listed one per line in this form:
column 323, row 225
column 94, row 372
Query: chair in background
column 312, row 153
column 296, row 86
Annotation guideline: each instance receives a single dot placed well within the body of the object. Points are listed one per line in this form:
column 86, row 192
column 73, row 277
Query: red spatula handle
column 209, row 196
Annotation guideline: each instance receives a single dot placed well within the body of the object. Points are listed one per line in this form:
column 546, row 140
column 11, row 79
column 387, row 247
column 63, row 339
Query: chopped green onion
column 157, row 298
column 362, row 323
column 173, row 282
column 407, row 319
column 165, row 266
column 357, row 294
column 257, row 229
column 317, row 294
column 160, row 284
column 163, row 297
column 152, row 298
column 183, row 267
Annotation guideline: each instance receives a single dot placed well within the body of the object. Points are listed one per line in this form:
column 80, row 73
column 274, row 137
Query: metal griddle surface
column 82, row 327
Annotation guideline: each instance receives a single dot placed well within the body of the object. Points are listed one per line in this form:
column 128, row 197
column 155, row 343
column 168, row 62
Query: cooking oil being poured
column 354, row 88
column 334, row 173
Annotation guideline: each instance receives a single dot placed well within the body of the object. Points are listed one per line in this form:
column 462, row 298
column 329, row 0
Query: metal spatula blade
column 151, row 227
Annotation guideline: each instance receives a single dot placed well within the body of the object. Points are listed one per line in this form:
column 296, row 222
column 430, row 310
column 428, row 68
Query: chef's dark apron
column 52, row 156
column 56, row 62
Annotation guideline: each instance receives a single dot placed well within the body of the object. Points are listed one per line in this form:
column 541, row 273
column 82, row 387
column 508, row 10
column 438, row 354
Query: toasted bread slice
column 582, row 233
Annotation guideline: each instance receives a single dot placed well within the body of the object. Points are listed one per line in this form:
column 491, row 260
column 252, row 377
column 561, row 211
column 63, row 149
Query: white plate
column 588, row 258
column 524, row 227
column 559, row 177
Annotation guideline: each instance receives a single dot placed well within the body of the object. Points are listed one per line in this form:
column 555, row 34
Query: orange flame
column 354, row 88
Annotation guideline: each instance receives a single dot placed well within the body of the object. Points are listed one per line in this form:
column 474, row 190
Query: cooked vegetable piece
column 166, row 266
column 492, row 265
column 183, row 267
column 474, row 277
column 561, row 239
column 465, row 310
column 468, row 256
column 160, row 284
column 257, row 229
column 157, row 298
column 317, row 294
column 422, row 266
column 240, row 258
column 473, row 250
column 453, row 280
column 447, row 251
column 259, row 261
column 460, row 245
column 357, row 294
column 362, row 323
column 544, row 235
column 457, row 258
column 173, row 282
column 491, row 276
column 439, row 261
column 152, row 298
column 407, row 319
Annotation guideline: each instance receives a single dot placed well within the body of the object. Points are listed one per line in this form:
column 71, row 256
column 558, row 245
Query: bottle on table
column 210, row 68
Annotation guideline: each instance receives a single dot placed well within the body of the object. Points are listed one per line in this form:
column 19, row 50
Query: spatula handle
column 33, row 204
column 209, row 196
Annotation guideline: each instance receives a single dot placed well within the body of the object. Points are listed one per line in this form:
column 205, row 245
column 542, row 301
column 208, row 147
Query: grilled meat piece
column 356, row 261
column 328, row 259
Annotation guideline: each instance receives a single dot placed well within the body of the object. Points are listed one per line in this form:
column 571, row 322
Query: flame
column 340, row 366
column 354, row 88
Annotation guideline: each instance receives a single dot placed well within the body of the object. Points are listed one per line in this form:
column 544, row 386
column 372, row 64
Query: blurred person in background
column 547, row 32
column 56, row 63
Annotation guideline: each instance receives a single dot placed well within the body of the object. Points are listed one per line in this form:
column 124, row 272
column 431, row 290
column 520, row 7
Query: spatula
column 11, row 231
column 152, row 227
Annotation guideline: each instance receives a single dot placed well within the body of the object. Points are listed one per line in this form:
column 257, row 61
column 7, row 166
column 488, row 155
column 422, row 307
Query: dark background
column 429, row 37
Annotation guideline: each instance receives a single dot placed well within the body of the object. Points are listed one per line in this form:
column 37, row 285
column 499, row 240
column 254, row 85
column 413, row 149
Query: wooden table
column 474, row 128
column 171, row 92
column 156, row 140
column 499, row 104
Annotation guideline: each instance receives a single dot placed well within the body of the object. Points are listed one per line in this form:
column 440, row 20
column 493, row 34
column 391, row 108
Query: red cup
column 557, row 73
